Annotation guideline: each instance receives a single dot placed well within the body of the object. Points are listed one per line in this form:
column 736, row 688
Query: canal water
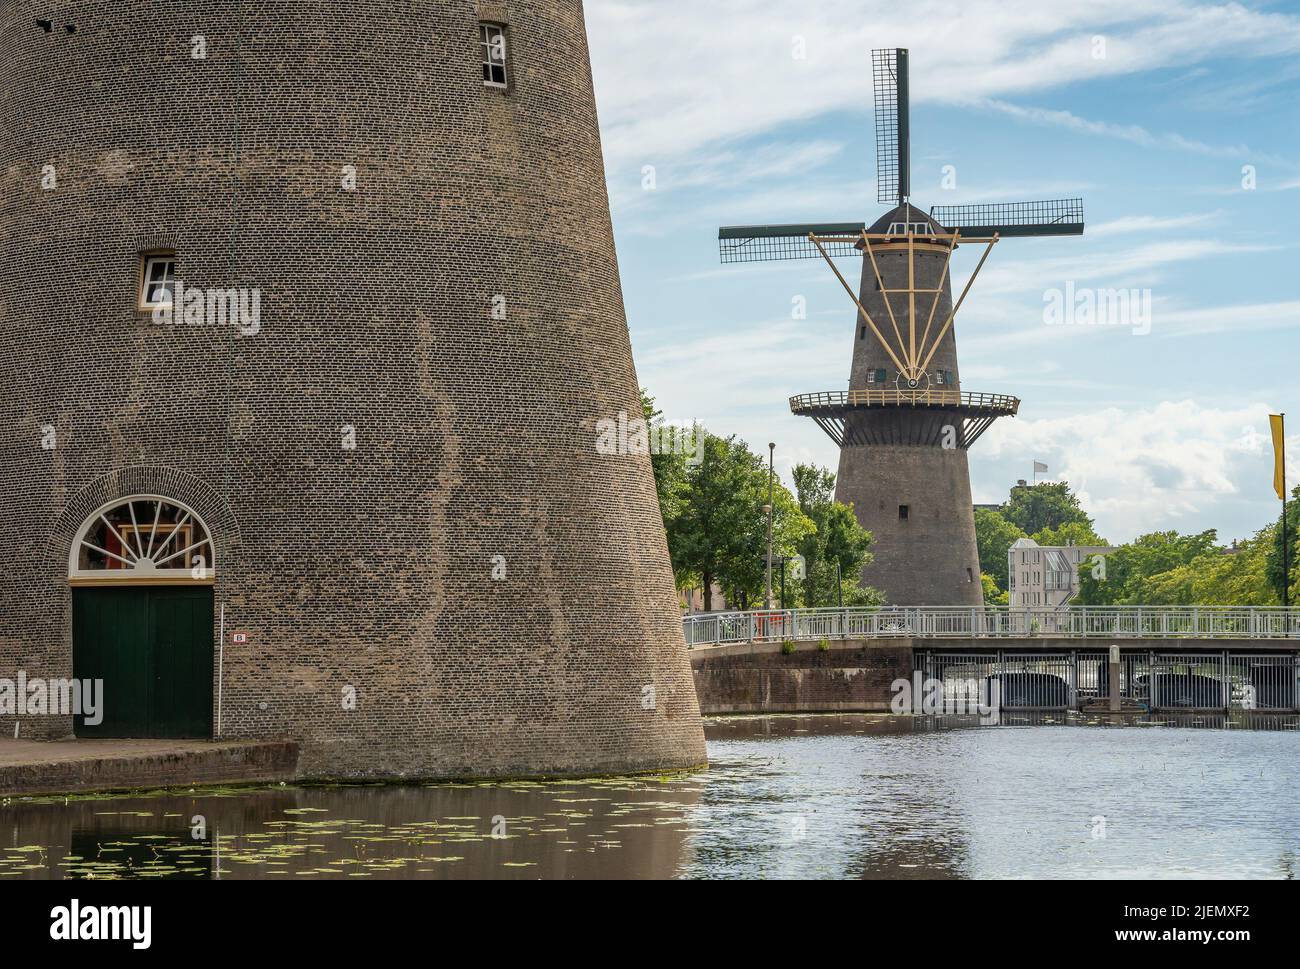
column 837, row 796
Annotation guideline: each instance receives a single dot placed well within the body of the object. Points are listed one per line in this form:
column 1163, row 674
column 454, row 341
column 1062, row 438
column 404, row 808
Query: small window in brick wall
column 875, row 376
column 492, row 42
column 903, row 512
column 157, row 279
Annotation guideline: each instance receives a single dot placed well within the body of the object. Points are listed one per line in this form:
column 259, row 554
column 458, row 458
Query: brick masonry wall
column 759, row 678
column 370, row 568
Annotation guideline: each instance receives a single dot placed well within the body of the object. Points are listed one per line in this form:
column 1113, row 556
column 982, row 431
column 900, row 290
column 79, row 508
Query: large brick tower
column 904, row 424
column 309, row 314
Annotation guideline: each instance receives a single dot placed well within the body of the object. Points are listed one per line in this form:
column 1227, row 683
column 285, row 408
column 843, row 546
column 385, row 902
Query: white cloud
column 1134, row 266
column 1148, row 223
column 672, row 82
column 1175, row 464
column 1135, row 134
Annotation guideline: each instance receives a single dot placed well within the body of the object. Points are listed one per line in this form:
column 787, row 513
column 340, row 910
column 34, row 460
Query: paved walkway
column 15, row 752
column 79, row 766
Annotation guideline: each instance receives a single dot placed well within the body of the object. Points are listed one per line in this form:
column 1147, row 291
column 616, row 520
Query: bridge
column 1171, row 657
column 1274, row 624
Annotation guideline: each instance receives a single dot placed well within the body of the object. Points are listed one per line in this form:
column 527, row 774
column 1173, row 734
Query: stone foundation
column 853, row 675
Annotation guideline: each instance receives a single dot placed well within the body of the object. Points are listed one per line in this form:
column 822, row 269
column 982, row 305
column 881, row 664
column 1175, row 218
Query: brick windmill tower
column 370, row 516
column 904, row 424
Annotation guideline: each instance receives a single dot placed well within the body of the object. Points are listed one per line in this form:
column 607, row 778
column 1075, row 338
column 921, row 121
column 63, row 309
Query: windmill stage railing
column 902, row 396
column 995, row 622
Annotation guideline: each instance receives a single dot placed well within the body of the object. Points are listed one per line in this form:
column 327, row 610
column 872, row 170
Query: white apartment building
column 1042, row 575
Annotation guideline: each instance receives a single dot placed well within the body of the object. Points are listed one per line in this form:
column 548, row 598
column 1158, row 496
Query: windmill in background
column 904, row 424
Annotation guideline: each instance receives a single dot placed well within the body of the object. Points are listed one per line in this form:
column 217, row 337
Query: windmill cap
column 905, row 213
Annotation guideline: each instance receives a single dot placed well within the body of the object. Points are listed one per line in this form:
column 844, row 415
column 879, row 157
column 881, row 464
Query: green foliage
column 993, row 596
column 1161, row 568
column 1274, row 556
column 1051, row 504
column 1071, row 533
column 669, row 469
column 718, row 532
column 995, row 536
column 788, row 647
column 837, row 538
column 823, row 645
column 861, row 595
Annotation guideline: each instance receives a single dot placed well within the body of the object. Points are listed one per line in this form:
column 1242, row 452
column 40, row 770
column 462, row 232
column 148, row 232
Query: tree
column 719, row 532
column 713, row 513
column 993, row 596
column 669, row 467
column 1137, row 572
column 837, row 540
column 1241, row 578
column 1047, row 505
column 1215, row 576
column 744, row 574
column 1274, row 555
column 995, row 536
column 1071, row 533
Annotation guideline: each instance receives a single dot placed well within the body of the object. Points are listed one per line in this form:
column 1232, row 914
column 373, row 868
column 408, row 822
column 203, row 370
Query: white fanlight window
column 143, row 540
column 492, row 42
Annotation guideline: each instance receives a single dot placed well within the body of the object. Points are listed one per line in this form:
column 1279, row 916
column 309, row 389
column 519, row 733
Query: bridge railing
column 994, row 622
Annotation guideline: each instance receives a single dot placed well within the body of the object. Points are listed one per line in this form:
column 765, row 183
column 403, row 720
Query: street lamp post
column 771, row 504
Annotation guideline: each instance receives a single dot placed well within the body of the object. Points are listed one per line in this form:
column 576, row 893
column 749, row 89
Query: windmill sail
column 768, row 243
column 1055, row 217
column 893, row 166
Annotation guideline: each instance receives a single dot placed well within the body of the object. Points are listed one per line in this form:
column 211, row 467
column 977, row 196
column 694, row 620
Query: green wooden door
column 110, row 642
column 152, row 647
column 182, row 661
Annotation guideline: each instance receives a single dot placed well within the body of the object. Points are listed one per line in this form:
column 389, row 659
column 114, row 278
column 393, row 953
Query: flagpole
column 1286, row 539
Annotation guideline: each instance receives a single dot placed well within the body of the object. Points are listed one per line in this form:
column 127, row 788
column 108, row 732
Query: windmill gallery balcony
column 873, row 415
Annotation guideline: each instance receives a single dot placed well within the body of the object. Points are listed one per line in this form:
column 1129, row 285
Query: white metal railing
column 897, row 396
column 1081, row 622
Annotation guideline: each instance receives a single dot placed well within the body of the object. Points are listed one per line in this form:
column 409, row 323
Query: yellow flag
column 1279, row 455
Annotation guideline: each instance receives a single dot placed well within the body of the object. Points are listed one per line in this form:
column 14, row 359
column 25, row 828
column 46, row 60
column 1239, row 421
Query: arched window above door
column 143, row 540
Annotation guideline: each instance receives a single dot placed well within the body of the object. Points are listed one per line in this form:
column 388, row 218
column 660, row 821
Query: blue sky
column 1166, row 429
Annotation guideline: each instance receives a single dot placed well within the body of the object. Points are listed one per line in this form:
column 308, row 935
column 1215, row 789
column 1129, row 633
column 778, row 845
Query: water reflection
column 836, row 796
column 122, row 852
column 593, row 829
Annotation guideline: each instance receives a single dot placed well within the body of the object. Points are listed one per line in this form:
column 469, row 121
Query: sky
column 1177, row 122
